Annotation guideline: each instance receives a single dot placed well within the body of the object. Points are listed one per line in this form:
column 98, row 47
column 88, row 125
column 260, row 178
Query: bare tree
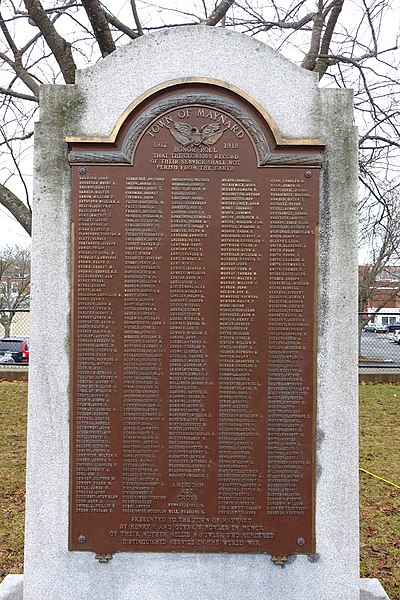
column 15, row 275
column 348, row 43
column 379, row 277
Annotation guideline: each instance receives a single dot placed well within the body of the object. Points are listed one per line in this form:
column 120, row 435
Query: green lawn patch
column 13, row 403
column 380, row 501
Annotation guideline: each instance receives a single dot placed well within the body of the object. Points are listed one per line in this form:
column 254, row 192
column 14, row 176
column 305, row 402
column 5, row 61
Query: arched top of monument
column 288, row 93
column 195, row 112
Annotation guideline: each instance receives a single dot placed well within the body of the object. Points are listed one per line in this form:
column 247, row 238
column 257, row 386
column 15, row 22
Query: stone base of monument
column 12, row 589
column 371, row 589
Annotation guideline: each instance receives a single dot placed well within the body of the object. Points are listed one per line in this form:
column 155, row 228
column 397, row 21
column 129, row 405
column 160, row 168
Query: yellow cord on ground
column 381, row 478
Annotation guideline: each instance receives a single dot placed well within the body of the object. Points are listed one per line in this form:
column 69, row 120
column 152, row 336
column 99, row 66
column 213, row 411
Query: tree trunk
column 6, row 321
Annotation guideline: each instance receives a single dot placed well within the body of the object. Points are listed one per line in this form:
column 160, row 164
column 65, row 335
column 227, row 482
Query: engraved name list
column 193, row 361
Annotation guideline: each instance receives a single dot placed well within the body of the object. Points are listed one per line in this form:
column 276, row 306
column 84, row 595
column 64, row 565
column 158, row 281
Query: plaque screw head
column 301, row 541
column 82, row 539
column 82, row 170
column 308, row 174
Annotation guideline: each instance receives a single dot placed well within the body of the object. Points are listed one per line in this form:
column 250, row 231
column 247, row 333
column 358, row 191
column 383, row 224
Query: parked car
column 14, row 350
column 25, row 348
column 376, row 327
column 396, row 336
column 393, row 326
column 369, row 327
column 6, row 358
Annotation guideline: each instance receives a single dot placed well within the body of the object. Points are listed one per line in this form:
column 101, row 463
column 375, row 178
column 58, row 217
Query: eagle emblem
column 185, row 134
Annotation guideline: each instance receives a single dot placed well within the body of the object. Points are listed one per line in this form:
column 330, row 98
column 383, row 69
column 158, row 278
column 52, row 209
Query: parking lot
column 378, row 349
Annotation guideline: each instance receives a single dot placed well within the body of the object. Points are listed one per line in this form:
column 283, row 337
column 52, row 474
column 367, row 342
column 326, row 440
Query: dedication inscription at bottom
column 193, row 332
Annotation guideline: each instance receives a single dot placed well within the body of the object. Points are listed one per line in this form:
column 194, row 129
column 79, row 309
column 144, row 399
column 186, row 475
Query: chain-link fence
column 379, row 340
column 14, row 323
column 14, row 337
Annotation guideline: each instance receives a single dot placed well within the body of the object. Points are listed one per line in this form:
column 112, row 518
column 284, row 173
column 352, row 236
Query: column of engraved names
column 143, row 352
column 239, row 479
column 289, row 234
column 189, row 377
column 96, row 365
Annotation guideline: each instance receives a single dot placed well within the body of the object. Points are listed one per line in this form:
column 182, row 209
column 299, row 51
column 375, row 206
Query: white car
column 396, row 336
column 369, row 327
column 375, row 327
column 6, row 358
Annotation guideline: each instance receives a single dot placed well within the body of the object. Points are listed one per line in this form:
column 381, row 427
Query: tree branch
column 18, row 138
column 380, row 138
column 322, row 64
column 58, row 14
column 121, row 26
column 219, row 12
column 99, row 23
column 7, row 35
column 8, row 92
column 313, row 52
column 136, row 17
column 17, row 208
column 60, row 48
column 281, row 24
column 22, row 73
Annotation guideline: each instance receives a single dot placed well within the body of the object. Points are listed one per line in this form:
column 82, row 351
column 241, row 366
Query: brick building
column 380, row 293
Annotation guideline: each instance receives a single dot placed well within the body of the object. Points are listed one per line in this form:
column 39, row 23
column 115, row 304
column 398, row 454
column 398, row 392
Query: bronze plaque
column 193, row 363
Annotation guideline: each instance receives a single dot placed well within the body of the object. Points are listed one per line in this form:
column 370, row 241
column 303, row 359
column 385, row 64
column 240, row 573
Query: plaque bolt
column 82, row 170
column 82, row 539
column 308, row 174
column 301, row 541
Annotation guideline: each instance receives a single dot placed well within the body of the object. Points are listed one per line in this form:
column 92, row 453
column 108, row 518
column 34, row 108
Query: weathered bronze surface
column 193, row 363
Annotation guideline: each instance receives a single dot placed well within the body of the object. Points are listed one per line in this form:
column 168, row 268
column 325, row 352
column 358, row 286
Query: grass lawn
column 380, row 502
column 12, row 475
